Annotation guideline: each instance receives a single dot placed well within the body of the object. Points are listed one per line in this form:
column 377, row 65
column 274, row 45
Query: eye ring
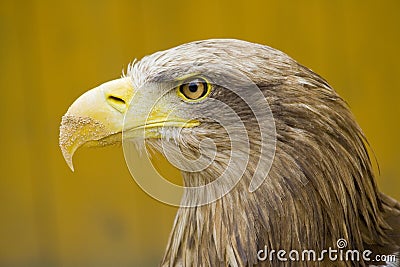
column 194, row 89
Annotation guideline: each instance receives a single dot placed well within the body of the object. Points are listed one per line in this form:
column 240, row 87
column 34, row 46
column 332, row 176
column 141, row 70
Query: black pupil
column 193, row 87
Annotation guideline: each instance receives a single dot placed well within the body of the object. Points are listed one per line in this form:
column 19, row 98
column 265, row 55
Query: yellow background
column 51, row 52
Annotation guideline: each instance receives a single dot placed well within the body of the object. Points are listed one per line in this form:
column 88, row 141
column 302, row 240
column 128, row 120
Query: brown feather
column 321, row 186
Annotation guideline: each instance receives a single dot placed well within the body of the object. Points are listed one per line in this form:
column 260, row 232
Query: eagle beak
column 95, row 118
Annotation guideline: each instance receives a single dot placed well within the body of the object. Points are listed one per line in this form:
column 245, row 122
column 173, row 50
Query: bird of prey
column 296, row 177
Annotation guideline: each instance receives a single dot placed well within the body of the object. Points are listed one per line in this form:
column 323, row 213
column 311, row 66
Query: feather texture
column 320, row 188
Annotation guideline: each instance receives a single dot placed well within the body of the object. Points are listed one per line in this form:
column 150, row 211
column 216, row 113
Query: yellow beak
column 95, row 118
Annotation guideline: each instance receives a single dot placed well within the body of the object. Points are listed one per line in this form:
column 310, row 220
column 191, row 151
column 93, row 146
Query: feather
column 320, row 187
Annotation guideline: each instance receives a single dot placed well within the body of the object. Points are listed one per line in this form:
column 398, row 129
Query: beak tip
column 71, row 166
column 68, row 158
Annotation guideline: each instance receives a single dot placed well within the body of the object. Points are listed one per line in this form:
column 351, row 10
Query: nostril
column 116, row 99
column 117, row 103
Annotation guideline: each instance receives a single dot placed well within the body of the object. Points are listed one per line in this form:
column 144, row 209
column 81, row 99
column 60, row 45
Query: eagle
column 272, row 159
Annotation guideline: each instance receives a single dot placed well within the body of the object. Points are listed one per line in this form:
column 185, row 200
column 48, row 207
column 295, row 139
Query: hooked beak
column 95, row 118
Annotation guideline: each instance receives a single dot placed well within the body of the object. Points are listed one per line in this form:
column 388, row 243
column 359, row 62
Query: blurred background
column 53, row 51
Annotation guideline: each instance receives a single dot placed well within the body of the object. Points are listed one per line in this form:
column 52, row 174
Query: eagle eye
column 194, row 89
